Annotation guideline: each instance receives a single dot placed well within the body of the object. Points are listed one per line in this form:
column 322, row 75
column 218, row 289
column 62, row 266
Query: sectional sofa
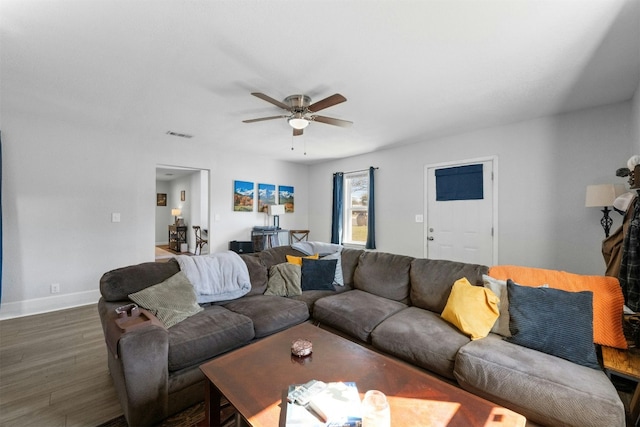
column 389, row 302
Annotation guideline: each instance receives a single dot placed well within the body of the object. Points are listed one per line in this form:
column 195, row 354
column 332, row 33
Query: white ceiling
column 411, row 70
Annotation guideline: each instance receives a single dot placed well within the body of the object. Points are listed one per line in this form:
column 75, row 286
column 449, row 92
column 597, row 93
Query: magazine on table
column 334, row 404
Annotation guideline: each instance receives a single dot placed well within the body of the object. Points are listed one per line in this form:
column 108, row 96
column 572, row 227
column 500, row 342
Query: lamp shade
column 601, row 195
column 175, row 212
column 275, row 210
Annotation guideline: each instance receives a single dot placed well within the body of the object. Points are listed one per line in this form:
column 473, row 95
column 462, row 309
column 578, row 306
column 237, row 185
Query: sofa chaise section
column 544, row 388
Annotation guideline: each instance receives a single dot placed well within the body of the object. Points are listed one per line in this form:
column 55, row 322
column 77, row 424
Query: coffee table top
column 255, row 379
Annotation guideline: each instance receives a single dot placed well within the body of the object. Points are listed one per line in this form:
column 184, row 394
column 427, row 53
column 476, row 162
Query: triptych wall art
column 244, row 195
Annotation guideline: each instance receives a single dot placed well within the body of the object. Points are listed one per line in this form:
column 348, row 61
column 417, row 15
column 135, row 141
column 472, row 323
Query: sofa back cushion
column 384, row 274
column 432, row 280
column 277, row 255
column 116, row 285
column 258, row 273
column 349, row 260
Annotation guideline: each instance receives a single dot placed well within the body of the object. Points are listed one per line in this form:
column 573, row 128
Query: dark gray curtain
column 371, row 227
column 338, row 208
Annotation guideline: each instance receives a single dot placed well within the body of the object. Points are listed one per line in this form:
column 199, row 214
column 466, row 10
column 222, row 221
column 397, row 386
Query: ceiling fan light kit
column 301, row 111
column 298, row 122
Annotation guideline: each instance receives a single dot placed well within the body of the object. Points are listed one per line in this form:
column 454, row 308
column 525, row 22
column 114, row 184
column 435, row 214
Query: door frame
column 494, row 188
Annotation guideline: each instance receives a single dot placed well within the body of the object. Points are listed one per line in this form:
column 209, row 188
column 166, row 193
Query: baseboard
column 9, row 310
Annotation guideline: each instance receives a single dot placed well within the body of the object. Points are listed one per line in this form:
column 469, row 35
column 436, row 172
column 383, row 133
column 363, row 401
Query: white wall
column 545, row 166
column 62, row 182
column 635, row 119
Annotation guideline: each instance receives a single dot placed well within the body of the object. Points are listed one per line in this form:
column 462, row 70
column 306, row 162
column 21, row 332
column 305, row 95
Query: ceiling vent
column 179, row 135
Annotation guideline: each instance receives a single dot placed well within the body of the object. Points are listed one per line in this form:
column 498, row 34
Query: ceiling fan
column 300, row 111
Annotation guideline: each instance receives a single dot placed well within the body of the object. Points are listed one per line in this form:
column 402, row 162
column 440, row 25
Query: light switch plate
column 419, row 218
column 115, row 217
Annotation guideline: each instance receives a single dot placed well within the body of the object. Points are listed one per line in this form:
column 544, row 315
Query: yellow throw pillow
column 471, row 309
column 297, row 260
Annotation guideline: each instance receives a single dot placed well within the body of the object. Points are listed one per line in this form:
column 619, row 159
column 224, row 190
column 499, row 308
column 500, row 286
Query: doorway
column 462, row 227
column 186, row 190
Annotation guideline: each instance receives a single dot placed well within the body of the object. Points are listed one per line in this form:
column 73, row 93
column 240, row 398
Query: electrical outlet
column 55, row 288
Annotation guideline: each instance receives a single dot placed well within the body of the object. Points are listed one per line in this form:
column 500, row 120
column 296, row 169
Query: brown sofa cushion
column 349, row 261
column 277, row 255
column 422, row 338
column 258, row 273
column 432, row 280
column 116, row 285
column 207, row 334
column 384, row 274
column 355, row 312
column 270, row 313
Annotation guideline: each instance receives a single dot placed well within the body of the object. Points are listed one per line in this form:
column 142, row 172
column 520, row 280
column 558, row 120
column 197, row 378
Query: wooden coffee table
column 255, row 378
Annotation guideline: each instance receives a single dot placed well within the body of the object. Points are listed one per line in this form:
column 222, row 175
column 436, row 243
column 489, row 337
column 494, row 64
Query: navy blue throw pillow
column 553, row 321
column 318, row 274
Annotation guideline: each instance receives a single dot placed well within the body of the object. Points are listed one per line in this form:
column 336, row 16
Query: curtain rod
column 361, row 170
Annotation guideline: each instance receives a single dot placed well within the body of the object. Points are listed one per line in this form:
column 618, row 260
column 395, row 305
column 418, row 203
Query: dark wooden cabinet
column 177, row 236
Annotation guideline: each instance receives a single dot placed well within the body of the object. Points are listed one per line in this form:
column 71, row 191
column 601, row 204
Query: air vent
column 179, row 135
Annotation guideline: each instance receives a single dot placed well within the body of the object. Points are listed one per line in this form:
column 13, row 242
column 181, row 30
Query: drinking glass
column 375, row 410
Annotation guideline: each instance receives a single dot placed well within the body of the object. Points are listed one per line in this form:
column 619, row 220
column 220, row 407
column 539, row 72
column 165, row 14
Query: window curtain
column 338, row 208
column 371, row 218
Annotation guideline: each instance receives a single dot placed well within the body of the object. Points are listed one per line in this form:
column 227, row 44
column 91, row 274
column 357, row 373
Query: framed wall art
column 266, row 196
column 285, row 197
column 243, row 194
column 183, row 195
column 161, row 199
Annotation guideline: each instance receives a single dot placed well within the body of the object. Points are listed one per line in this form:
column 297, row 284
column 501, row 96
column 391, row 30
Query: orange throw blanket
column 607, row 296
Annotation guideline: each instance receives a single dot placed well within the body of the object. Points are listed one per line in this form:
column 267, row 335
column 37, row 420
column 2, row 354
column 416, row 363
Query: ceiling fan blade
column 332, row 121
column 297, row 132
column 326, row 103
column 261, row 119
column 270, row 100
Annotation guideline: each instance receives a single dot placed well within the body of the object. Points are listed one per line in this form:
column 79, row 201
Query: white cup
column 375, row 410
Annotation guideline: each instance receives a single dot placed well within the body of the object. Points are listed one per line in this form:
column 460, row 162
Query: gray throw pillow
column 553, row 321
column 171, row 301
column 499, row 287
column 338, row 279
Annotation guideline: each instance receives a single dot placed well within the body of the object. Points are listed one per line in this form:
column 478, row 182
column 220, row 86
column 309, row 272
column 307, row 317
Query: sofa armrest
column 144, row 359
column 139, row 367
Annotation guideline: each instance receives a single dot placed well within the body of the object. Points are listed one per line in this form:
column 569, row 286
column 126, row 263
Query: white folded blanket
column 218, row 276
column 321, row 248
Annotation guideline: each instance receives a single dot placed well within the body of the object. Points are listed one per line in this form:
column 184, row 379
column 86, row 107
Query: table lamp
column 275, row 211
column 175, row 212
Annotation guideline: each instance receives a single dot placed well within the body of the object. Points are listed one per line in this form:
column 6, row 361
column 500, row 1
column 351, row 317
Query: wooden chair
column 298, row 236
column 200, row 242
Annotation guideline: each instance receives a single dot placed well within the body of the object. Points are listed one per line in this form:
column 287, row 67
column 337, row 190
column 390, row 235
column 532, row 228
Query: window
column 356, row 208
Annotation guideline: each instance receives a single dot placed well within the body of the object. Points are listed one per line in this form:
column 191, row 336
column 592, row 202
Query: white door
column 462, row 230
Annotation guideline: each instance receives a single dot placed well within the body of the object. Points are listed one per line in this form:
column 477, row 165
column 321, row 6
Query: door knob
column 430, row 238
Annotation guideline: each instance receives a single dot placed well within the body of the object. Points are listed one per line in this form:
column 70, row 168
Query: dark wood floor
column 53, row 370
